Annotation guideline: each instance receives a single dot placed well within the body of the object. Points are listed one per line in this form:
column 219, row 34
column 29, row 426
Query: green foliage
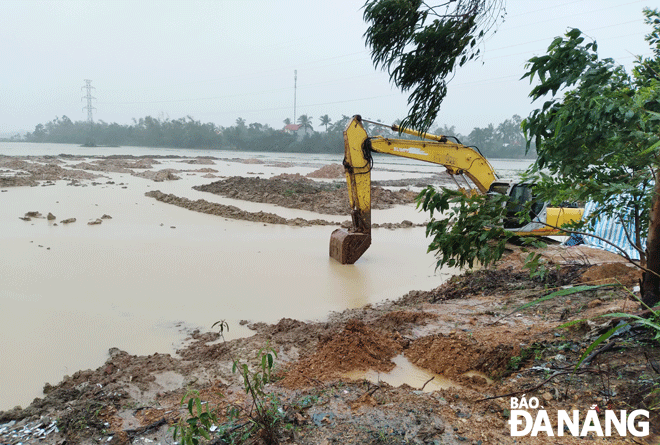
column 516, row 361
column 536, row 265
column 305, row 122
column 470, row 232
column 420, row 46
column 504, row 140
column 189, row 133
column 266, row 417
column 594, row 132
column 597, row 138
column 325, row 121
column 652, row 323
column 559, row 293
column 200, row 422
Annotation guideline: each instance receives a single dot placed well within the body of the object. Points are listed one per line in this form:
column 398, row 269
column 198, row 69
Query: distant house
column 297, row 130
column 292, row 128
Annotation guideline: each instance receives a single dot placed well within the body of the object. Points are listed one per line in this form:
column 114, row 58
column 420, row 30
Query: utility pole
column 88, row 86
column 295, row 87
column 90, row 118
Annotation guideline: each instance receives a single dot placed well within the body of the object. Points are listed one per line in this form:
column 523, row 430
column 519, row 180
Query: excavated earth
column 300, row 192
column 489, row 332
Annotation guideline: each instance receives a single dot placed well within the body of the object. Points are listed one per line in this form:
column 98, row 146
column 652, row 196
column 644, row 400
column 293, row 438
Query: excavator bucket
column 347, row 247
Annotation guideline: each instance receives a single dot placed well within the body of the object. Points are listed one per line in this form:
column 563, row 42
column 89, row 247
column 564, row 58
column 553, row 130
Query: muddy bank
column 203, row 206
column 233, row 212
column 471, row 323
column 299, row 192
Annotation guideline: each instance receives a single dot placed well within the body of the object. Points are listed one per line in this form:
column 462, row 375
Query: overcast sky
column 219, row 60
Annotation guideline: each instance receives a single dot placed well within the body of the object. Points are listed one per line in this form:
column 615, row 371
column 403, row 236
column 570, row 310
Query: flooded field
column 151, row 273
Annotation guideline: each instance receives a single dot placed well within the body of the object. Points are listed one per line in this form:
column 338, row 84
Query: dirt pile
column 23, row 172
column 454, row 355
column 251, row 161
column 117, row 165
column 201, row 160
column 623, row 273
column 503, row 280
column 298, row 192
column 331, row 171
column 356, row 348
column 211, row 208
column 159, row 176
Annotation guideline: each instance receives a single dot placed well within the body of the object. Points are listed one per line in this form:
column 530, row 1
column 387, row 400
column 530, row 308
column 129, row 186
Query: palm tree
column 305, row 122
column 287, row 121
column 325, row 120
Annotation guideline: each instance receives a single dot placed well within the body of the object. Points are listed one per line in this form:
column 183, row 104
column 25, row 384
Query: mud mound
column 200, row 160
column 402, row 321
column 493, row 281
column 292, row 177
column 453, row 356
column 252, row 161
column 331, row 171
column 356, row 348
column 233, row 212
column 117, row 165
column 298, row 192
column 38, row 170
column 159, row 176
column 627, row 275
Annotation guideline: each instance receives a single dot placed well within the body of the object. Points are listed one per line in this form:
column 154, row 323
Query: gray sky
column 218, row 60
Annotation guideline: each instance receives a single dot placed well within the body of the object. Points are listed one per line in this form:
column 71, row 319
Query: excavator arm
column 347, row 246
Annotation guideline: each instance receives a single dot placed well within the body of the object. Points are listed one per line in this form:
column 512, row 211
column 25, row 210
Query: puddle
column 414, row 376
column 405, row 372
column 489, row 381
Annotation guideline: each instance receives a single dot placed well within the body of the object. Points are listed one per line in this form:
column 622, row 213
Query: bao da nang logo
column 602, row 423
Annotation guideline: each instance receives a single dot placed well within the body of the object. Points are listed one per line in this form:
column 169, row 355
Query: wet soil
column 300, row 192
column 471, row 323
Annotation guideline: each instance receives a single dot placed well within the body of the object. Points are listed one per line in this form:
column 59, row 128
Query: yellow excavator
column 347, row 246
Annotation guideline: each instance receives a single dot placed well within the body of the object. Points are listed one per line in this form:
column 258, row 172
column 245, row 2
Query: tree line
column 505, row 140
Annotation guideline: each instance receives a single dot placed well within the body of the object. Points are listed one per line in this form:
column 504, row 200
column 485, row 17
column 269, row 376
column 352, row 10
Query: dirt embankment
column 287, row 190
column 472, row 323
column 211, row 208
column 299, row 192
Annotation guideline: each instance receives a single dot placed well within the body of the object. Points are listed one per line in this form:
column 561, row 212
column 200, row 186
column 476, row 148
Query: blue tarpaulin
column 611, row 229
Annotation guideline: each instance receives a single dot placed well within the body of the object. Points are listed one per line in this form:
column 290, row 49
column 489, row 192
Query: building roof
column 293, row 127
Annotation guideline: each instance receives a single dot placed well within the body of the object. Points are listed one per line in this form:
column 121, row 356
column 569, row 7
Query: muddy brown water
column 143, row 279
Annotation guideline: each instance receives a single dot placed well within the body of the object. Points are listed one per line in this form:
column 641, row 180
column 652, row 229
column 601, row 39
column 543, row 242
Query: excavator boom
column 347, row 246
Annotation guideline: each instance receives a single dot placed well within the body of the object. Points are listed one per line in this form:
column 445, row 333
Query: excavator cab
column 543, row 219
column 519, row 196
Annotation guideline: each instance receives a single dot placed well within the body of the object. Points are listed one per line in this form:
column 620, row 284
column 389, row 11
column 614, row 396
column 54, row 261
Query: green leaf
column 597, row 342
column 561, row 293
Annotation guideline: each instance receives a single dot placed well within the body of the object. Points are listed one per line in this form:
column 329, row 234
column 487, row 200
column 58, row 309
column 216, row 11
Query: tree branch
column 632, row 243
